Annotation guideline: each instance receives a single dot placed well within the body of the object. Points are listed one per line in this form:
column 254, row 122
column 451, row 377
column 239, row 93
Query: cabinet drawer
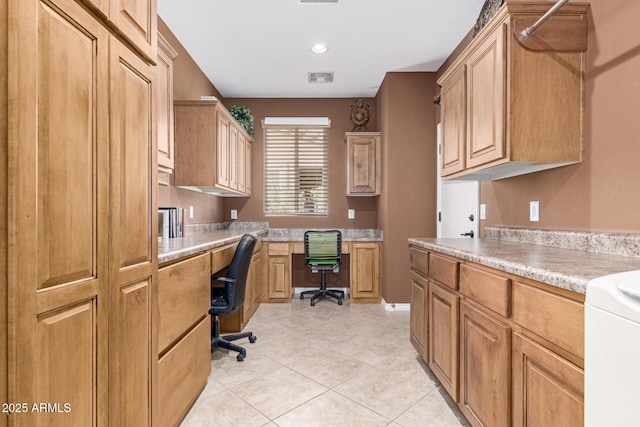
column 183, row 298
column 183, row 372
column 419, row 260
column 221, row 257
column 444, row 269
column 279, row 249
column 553, row 317
column 489, row 289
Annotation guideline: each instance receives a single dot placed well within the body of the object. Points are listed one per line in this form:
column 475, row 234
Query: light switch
column 190, row 211
column 234, row 214
column 351, row 214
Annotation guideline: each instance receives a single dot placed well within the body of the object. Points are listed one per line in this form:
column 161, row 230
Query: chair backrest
column 238, row 270
column 322, row 247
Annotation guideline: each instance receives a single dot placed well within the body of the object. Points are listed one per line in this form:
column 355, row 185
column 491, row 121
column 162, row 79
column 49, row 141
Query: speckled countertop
column 564, row 268
column 204, row 238
column 173, row 249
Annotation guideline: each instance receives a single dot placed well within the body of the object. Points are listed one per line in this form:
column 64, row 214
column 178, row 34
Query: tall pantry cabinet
column 80, row 203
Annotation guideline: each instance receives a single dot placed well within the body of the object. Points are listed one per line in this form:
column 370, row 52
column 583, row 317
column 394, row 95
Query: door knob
column 469, row 234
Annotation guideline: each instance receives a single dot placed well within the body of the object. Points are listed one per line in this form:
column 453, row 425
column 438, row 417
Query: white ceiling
column 262, row 48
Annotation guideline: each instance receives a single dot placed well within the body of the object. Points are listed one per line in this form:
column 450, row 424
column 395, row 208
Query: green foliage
column 243, row 116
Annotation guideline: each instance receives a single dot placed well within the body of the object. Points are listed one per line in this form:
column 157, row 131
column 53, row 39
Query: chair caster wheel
column 252, row 339
column 301, row 296
column 339, row 302
column 313, row 303
column 239, row 357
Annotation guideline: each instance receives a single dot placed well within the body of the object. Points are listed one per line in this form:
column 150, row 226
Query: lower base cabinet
column 183, row 373
column 365, row 273
column 508, row 350
column 443, row 337
column 547, row 389
column 485, row 366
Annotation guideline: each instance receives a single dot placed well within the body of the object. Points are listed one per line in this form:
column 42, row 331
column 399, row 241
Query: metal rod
column 530, row 30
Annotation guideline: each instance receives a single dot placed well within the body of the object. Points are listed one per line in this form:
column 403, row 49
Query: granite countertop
column 173, row 249
column 564, row 268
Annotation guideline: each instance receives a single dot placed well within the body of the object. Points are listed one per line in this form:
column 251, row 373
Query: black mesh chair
column 322, row 253
column 230, row 298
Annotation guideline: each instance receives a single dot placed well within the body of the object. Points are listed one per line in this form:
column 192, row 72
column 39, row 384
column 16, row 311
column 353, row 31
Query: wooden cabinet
column 212, row 150
column 363, row 163
column 277, row 273
column 133, row 237
column 443, row 337
column 509, row 350
column 365, row 273
column 81, row 235
column 502, row 115
column 547, row 389
column 485, row 362
column 184, row 329
column 164, row 76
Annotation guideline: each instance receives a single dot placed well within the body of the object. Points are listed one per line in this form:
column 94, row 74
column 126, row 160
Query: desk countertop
column 564, row 268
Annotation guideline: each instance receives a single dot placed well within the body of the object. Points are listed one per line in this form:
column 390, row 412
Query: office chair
column 323, row 252
column 230, row 298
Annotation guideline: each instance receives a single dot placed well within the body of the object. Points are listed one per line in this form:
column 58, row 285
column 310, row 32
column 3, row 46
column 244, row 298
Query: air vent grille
column 319, row 1
column 321, row 77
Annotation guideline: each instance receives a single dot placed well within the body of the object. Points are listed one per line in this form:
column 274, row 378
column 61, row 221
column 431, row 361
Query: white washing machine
column 612, row 351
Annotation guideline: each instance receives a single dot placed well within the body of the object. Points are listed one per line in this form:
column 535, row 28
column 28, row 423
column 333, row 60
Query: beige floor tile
column 289, row 348
column 278, row 392
column 223, row 410
column 329, row 368
column 387, row 390
column 331, row 410
column 226, row 370
column 434, row 410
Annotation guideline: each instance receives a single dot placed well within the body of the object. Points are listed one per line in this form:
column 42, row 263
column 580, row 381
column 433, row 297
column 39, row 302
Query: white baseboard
column 394, row 306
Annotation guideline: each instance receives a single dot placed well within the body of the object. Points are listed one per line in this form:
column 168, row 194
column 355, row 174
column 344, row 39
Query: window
column 296, row 166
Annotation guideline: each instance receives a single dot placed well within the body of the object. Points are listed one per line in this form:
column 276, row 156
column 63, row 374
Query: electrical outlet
column 351, row 214
column 483, row 211
column 234, row 214
column 534, row 211
column 190, row 211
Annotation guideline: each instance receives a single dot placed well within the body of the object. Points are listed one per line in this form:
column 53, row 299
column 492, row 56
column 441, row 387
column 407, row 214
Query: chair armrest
column 224, row 280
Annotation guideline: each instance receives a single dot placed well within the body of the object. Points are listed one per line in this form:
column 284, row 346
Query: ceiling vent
column 319, row 1
column 321, row 77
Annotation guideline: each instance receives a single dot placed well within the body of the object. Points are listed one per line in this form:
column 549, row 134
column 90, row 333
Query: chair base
column 320, row 293
column 225, row 341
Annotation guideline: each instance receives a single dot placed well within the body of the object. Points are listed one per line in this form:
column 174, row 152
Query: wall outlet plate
column 351, row 214
column 534, row 211
column 234, row 214
column 190, row 211
column 483, row 211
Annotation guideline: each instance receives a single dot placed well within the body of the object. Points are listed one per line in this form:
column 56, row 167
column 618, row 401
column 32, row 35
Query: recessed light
column 319, row 48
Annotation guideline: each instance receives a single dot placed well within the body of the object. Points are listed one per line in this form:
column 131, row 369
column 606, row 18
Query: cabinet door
column 419, row 314
column 363, row 164
column 133, row 238
column 279, row 272
column 484, row 368
column 247, row 168
column 453, row 116
column 486, row 108
column 137, row 22
column 222, row 150
column 365, row 272
column 57, row 222
column 242, row 162
column 443, row 337
column 164, row 76
column 547, row 389
column 233, row 156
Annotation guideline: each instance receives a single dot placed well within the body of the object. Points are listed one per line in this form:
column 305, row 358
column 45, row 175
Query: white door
column 457, row 204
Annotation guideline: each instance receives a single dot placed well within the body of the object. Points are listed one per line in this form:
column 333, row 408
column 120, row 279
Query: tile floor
column 328, row 365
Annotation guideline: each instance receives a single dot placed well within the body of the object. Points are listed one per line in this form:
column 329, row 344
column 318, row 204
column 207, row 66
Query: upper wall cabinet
column 136, row 21
column 512, row 105
column 212, row 150
column 164, row 77
column 363, row 163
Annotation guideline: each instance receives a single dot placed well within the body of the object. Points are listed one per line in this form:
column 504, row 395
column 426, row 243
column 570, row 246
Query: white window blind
column 296, row 170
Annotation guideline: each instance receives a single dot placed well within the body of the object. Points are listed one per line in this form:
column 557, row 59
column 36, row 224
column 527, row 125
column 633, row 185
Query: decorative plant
column 243, row 116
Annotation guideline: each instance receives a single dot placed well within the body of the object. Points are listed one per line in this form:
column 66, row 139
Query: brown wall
column 338, row 110
column 189, row 82
column 407, row 206
column 603, row 192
